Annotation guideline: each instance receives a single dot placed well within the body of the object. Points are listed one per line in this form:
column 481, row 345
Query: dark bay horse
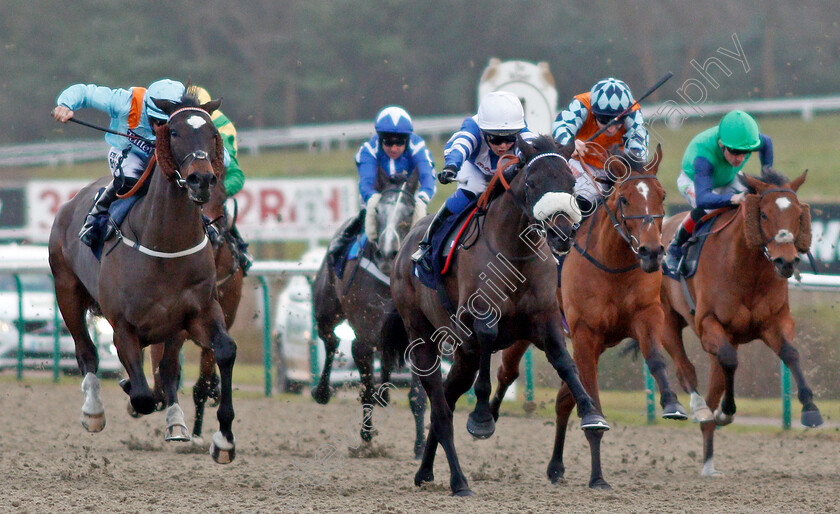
column 740, row 291
column 520, row 231
column 363, row 298
column 229, row 277
column 157, row 281
column 610, row 291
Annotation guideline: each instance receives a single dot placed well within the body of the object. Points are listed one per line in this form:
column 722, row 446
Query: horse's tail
column 394, row 342
column 632, row 348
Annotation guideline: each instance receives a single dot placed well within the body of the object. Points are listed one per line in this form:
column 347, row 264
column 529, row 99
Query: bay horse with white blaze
column 609, row 292
column 740, row 292
column 157, row 281
column 363, row 297
column 229, row 278
column 520, row 231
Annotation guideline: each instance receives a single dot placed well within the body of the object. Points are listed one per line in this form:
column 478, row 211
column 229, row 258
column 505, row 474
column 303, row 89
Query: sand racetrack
column 293, row 456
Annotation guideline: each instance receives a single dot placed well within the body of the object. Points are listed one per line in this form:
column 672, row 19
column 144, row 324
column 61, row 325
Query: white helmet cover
column 501, row 112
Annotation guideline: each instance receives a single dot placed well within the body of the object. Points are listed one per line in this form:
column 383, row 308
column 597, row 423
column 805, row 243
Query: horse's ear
column 167, row 106
column 798, row 181
column 752, row 212
column 525, row 148
column 568, row 149
column 652, row 166
column 803, row 239
column 212, row 105
column 753, row 184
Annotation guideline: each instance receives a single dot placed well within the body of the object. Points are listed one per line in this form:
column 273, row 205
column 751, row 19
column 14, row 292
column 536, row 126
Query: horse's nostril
column 192, row 180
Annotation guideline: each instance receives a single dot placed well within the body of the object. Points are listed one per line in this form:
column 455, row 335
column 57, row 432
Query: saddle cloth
column 103, row 230
column 691, row 251
column 444, row 243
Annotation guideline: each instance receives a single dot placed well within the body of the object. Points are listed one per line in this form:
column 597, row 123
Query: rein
column 142, row 179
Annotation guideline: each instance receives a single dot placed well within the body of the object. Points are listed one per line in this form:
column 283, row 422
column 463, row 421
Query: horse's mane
column 634, row 164
column 542, row 144
column 165, row 160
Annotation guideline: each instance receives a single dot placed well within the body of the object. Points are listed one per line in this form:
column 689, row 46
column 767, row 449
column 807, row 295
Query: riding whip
column 103, row 129
column 625, row 111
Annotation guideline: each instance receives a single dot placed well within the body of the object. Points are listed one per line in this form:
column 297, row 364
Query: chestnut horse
column 519, row 232
column 159, row 285
column 363, row 297
column 610, row 291
column 740, row 291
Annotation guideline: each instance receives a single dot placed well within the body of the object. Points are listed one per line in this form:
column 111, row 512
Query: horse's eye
column 623, row 200
column 173, row 133
column 763, row 216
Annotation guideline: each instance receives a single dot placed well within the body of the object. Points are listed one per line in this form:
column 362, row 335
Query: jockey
column 393, row 156
column 710, row 168
column 471, row 156
column 588, row 113
column 234, row 177
column 132, row 111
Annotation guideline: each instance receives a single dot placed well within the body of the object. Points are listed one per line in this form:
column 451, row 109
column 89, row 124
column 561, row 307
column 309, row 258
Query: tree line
column 286, row 62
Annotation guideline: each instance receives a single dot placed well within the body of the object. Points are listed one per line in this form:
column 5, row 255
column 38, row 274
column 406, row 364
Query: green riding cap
column 739, row 131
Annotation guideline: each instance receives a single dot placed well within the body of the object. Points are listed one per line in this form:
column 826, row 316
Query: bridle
column 196, row 155
column 621, row 226
column 766, row 240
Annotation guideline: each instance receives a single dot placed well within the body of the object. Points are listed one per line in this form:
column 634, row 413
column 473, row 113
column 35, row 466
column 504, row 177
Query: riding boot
column 99, row 208
column 421, row 256
column 245, row 258
column 338, row 244
column 673, row 257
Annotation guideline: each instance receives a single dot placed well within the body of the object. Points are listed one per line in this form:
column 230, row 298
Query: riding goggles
column 394, row 140
column 495, row 139
column 603, row 119
column 738, row 152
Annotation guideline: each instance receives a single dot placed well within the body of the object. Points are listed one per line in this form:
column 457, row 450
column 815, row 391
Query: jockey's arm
column 568, row 122
column 115, row 102
column 426, row 169
column 703, row 186
column 367, row 166
column 636, row 136
column 462, row 145
column 765, row 151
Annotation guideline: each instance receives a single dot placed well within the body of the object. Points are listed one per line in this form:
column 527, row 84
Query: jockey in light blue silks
column 393, row 156
column 472, row 154
column 132, row 112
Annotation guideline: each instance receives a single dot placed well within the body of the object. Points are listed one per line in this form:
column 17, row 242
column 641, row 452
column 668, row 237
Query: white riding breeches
column 686, row 188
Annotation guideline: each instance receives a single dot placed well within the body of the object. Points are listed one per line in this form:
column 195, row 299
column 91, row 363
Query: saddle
column 350, row 252
column 445, row 243
column 104, row 227
column 692, row 249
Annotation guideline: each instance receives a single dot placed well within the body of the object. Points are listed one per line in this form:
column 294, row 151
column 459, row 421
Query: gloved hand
column 738, row 198
column 370, row 217
column 420, row 208
column 447, row 174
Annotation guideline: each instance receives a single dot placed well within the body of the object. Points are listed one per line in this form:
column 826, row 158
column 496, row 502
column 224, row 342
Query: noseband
column 621, row 226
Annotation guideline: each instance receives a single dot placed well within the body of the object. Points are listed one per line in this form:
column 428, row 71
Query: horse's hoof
column 595, row 422
column 93, row 422
column 463, row 492
column 144, row 404
column 709, row 470
column 222, row 451
column 480, row 429
column 423, row 477
column 177, row 433
column 600, row 484
column 322, row 397
column 702, row 415
column 131, row 412
column 556, row 475
column 812, row 418
column 674, row 411
column 722, row 419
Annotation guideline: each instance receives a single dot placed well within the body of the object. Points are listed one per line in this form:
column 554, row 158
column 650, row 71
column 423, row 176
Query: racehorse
column 609, row 291
column 363, row 298
column 520, row 231
column 229, row 277
column 158, row 285
column 740, row 293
